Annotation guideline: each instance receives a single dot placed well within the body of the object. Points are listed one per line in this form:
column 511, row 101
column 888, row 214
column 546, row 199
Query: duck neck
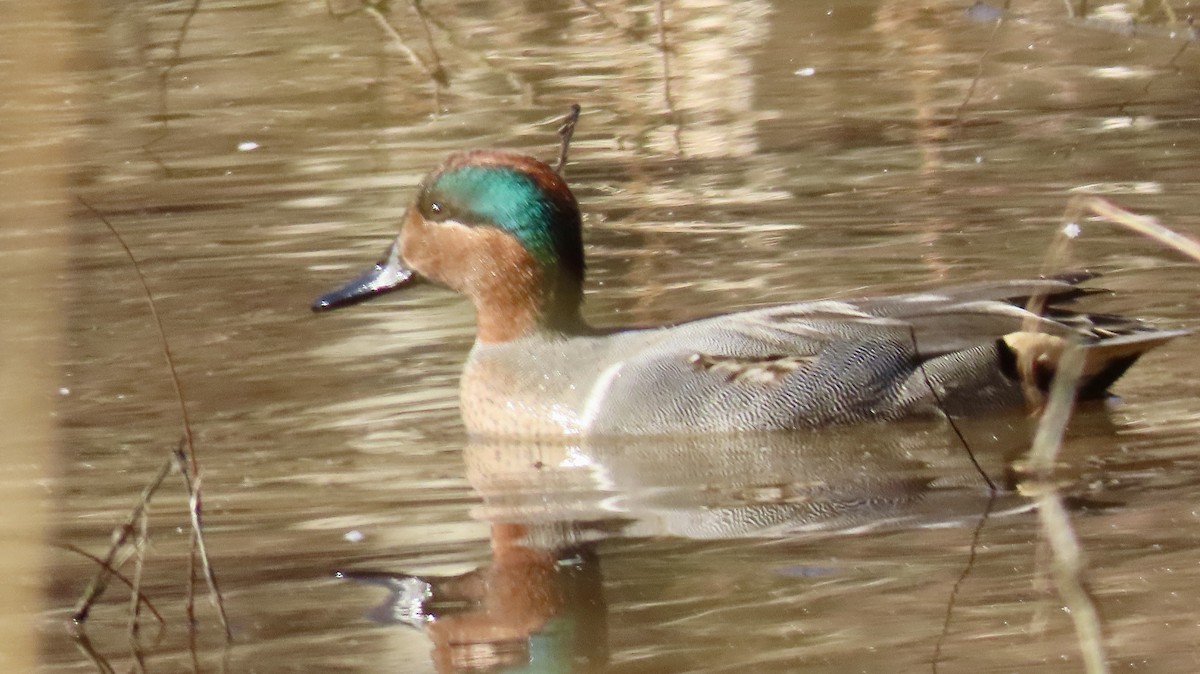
column 523, row 304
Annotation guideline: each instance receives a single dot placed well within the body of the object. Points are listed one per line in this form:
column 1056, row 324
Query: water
column 773, row 152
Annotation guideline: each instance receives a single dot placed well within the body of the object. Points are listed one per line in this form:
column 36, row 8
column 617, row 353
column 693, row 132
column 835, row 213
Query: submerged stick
column 962, row 577
column 173, row 62
column 566, row 132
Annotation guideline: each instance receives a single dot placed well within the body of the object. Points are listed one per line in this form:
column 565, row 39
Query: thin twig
column 660, row 18
column 1191, row 29
column 119, row 576
column 84, row 644
column 1067, row 558
column 912, row 333
column 120, row 538
column 210, row 576
column 413, row 57
column 439, row 72
column 164, row 345
column 139, row 656
column 962, row 577
column 139, row 565
column 565, row 132
column 461, row 49
column 958, row 112
column 195, row 497
column 172, row 63
column 135, row 617
column 1068, row 563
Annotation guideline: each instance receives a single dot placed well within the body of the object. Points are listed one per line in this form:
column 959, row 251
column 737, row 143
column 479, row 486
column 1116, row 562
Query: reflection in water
column 539, row 604
column 531, row 609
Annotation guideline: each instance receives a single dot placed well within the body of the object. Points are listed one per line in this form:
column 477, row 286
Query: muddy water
column 254, row 154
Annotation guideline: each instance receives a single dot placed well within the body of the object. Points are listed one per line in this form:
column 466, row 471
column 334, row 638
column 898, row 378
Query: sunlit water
column 769, row 153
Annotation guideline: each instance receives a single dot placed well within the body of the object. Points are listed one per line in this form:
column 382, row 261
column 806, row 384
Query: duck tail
column 1034, row 357
column 1106, row 360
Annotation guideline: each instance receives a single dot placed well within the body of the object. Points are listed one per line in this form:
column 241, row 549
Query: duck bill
column 387, row 275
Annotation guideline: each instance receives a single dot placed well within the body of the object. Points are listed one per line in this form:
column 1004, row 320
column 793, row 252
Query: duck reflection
column 533, row 609
column 539, row 604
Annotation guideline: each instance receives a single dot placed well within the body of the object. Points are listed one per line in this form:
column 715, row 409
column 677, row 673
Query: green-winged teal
column 504, row 230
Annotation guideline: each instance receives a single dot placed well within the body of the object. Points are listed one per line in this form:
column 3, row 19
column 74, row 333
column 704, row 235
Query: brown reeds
column 1068, row 561
column 431, row 68
column 565, row 132
column 130, row 538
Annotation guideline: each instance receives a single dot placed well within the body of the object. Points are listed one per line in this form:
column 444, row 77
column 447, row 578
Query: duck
column 504, row 230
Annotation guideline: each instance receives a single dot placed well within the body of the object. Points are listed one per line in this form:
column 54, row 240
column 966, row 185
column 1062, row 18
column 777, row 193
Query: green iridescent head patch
column 546, row 223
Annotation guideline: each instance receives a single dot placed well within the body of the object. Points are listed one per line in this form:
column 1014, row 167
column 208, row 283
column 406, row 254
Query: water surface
column 255, row 154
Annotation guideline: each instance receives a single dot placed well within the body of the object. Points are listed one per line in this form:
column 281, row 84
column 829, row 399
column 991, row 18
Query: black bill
column 387, row 275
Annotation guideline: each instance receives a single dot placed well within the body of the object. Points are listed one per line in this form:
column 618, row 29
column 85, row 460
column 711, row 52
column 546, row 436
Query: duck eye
column 435, row 207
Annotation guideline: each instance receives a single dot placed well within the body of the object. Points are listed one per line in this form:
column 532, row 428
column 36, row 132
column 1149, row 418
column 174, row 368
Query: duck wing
column 959, row 350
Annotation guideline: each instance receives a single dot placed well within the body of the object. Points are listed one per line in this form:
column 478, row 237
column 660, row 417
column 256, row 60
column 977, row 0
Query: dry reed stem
column 439, row 73
column 991, row 43
column 85, row 647
column 119, row 576
column 1068, row 560
column 188, row 462
column 434, row 72
column 1141, row 224
column 139, row 565
column 664, row 48
column 1069, row 567
column 1069, row 563
column 565, row 133
column 210, row 576
column 1050, row 429
column 120, row 540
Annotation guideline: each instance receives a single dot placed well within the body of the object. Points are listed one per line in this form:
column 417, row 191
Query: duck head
column 501, row 228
